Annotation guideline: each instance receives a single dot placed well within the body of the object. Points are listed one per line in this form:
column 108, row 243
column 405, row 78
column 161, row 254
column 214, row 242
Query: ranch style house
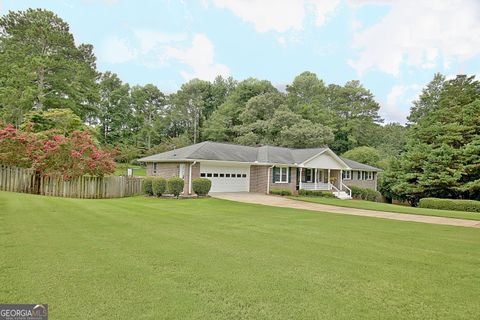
column 236, row 168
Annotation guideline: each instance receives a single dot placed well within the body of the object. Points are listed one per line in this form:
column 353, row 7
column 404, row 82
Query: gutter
column 268, row 179
column 190, row 177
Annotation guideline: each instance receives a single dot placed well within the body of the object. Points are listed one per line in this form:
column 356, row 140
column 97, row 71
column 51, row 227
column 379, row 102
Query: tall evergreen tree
column 42, row 68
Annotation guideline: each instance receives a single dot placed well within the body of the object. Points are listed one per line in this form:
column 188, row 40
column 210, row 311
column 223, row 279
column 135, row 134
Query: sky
column 393, row 47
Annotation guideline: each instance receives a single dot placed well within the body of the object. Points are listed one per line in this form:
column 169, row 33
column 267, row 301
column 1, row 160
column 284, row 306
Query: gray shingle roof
column 359, row 166
column 208, row 150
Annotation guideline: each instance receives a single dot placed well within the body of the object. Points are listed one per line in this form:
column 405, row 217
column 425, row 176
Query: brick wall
column 258, row 179
column 371, row 184
column 172, row 169
column 292, row 186
column 164, row 170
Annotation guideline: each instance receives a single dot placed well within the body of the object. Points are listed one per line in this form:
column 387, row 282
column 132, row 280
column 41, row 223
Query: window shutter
column 273, row 173
column 289, row 174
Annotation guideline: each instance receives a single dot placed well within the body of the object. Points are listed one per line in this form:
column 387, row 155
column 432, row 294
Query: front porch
column 329, row 180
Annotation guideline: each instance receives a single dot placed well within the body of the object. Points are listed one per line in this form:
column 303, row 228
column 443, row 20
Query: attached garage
column 226, row 177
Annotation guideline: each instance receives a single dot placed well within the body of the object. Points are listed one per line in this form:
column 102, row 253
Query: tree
column 54, row 154
column 62, row 120
column 307, row 97
column 367, row 155
column 42, row 68
column 219, row 127
column 428, row 100
column 148, row 103
column 114, row 109
column 441, row 157
column 392, row 140
column 356, row 116
column 192, row 104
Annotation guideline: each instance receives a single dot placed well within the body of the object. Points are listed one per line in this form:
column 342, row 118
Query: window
column 209, row 175
column 202, row 174
column 154, row 167
column 181, row 172
column 239, row 175
column 227, row 175
column 369, row 175
column 280, row 174
column 347, row 175
column 359, row 175
column 244, row 175
column 215, row 175
column 308, row 175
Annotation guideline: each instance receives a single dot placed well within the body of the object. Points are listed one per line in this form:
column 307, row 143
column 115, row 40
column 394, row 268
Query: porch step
column 342, row 195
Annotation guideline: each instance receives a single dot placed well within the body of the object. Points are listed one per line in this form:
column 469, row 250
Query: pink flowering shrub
column 54, row 154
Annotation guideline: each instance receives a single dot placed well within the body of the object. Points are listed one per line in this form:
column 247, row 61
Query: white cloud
column 418, row 33
column 151, row 39
column 278, row 15
column 200, row 57
column 399, row 99
column 154, row 49
column 117, row 50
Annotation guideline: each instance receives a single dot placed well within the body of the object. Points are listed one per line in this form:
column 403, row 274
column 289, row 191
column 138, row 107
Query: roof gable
column 326, row 159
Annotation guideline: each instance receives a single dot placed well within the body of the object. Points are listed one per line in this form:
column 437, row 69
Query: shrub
column 52, row 153
column 201, row 186
column 147, row 185
column 316, row 193
column 175, row 186
column 450, row 204
column 365, row 193
column 281, row 191
column 159, row 186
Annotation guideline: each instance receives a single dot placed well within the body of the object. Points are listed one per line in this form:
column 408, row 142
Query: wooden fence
column 26, row 180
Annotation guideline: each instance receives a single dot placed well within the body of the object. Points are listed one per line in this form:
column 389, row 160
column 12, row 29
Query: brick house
column 235, row 168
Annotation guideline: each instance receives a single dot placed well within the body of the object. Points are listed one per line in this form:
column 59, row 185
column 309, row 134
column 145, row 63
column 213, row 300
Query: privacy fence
column 28, row 181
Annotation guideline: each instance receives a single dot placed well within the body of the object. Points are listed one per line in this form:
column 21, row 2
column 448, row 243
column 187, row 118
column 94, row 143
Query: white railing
column 348, row 189
column 315, row 186
column 337, row 192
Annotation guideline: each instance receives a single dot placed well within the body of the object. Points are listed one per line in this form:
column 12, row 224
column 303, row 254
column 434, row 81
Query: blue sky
column 392, row 47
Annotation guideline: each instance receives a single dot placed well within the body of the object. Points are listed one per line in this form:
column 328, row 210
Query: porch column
column 316, row 177
column 300, row 180
column 328, row 179
column 341, row 180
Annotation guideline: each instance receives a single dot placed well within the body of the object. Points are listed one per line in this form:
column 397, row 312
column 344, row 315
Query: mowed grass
column 369, row 205
column 121, row 170
column 143, row 258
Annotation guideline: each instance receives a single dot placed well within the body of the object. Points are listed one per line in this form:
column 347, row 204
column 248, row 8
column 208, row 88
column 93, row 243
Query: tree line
column 47, row 80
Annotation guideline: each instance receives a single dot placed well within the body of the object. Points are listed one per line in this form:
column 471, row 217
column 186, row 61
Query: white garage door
column 226, row 177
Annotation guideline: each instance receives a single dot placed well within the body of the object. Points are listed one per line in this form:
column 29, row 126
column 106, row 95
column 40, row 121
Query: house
column 236, row 168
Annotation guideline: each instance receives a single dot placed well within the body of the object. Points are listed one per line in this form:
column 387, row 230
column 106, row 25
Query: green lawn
column 143, row 258
column 121, row 170
column 369, row 205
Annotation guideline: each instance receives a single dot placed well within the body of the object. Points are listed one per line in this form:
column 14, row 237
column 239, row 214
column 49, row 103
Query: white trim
column 190, row 177
column 268, row 178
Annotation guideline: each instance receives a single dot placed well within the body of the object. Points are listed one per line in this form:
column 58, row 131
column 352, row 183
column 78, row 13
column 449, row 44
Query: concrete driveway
column 277, row 201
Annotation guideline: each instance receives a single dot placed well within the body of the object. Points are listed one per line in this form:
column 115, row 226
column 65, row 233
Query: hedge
column 365, row 193
column 159, row 186
column 450, row 204
column 147, row 186
column 281, row 191
column 201, row 186
column 315, row 193
column 175, row 186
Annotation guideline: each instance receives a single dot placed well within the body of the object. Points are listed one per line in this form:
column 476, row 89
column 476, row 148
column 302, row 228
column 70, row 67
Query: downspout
column 268, row 179
column 190, row 177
